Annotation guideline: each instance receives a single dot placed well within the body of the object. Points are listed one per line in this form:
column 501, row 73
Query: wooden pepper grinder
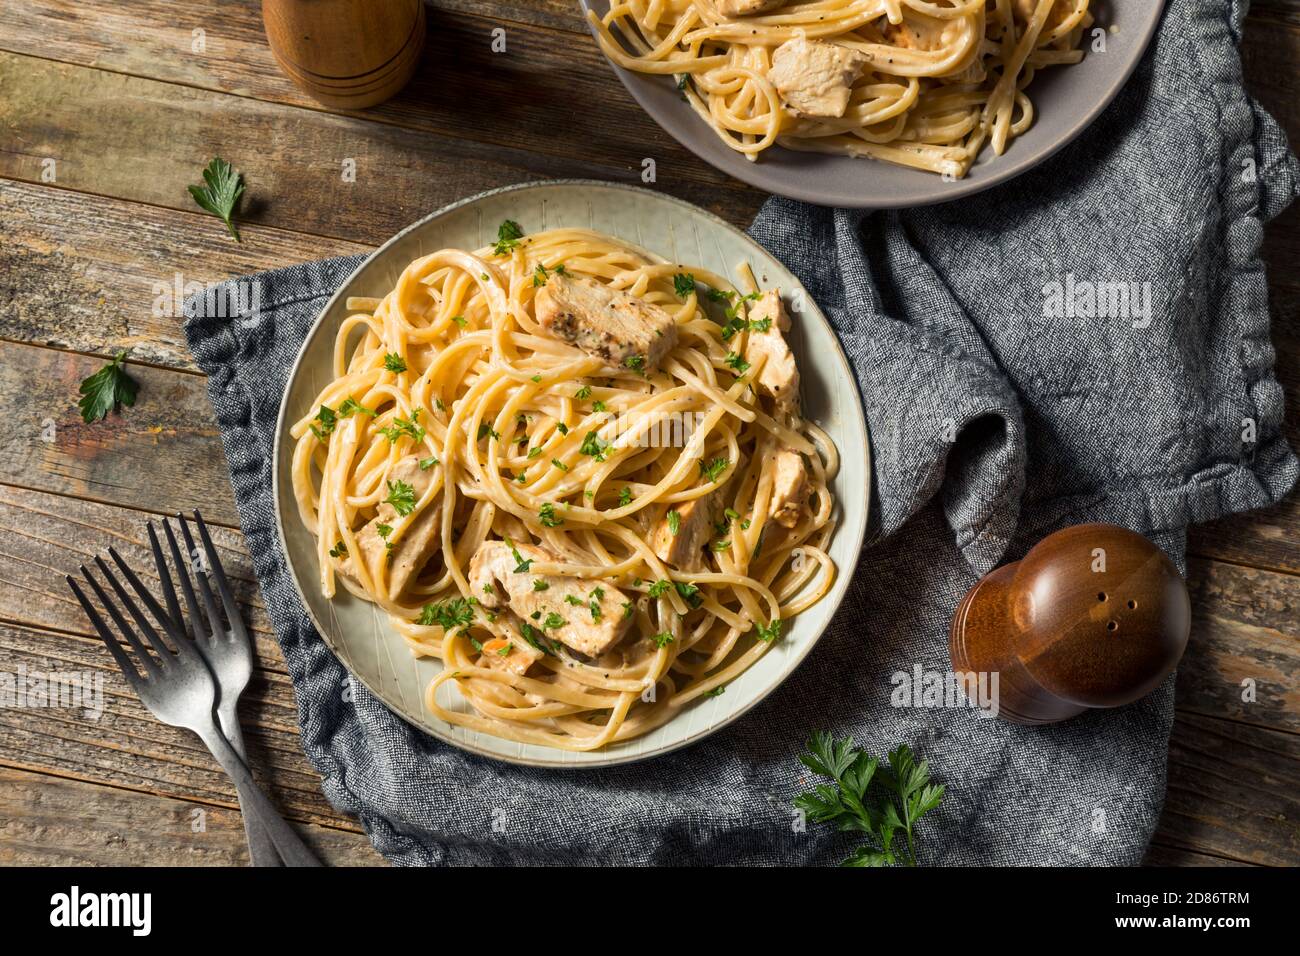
column 1092, row 616
column 348, row 54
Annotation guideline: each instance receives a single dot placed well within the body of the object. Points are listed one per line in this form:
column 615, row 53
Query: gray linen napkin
column 994, row 419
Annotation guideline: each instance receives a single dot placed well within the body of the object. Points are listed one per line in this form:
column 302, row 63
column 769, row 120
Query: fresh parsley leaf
column 521, row 566
column 594, row 607
column 546, row 514
column 401, row 496
column 553, row 621
column 508, row 236
column 562, row 428
column 457, row 612
column 460, row 320
column 635, row 362
column 721, row 545
column 598, row 406
column 901, row 795
column 541, row 585
column 717, row 691
column 690, row 593
column 327, row 419
column 663, row 639
column 220, row 192
column 768, row 632
column 625, row 497
column 394, row 362
column 427, row 463
column 660, row 587
column 106, row 389
column 737, row 364
column 533, row 453
column 683, row 284
column 404, row 426
column 674, row 522
column 351, row 407
column 559, row 464
column 540, row 275
column 573, row 599
column 485, row 431
column 583, row 393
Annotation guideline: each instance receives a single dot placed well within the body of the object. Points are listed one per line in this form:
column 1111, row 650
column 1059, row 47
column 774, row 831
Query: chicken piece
column 815, row 78
column 594, row 612
column 779, row 376
column 744, row 8
column 509, row 655
column 413, row 548
column 684, row 548
column 789, row 488
column 612, row 325
column 924, row 35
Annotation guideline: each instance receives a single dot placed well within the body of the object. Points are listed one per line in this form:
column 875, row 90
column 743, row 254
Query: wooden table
column 108, row 110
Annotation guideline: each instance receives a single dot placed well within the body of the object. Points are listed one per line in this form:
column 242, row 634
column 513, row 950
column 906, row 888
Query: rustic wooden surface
column 130, row 112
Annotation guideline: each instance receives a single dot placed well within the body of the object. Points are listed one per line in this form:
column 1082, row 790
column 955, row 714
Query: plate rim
column 838, row 590
column 681, row 126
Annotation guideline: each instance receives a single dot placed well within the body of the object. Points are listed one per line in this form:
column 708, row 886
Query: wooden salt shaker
column 347, row 54
column 1093, row 616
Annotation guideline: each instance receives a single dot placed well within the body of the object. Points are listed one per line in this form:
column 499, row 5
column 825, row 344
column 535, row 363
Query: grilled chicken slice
column 510, row 655
column 614, row 326
column 684, row 548
column 814, row 77
column 789, row 488
column 779, row 376
column 594, row 612
column 415, row 545
column 744, row 8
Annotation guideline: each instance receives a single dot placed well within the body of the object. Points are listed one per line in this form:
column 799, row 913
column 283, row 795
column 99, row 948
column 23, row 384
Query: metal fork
column 227, row 650
column 177, row 686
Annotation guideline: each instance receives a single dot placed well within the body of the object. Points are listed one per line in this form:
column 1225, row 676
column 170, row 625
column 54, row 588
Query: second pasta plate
column 587, row 557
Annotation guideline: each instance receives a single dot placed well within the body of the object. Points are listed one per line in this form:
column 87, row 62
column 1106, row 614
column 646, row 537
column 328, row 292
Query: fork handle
column 254, row 802
column 261, row 848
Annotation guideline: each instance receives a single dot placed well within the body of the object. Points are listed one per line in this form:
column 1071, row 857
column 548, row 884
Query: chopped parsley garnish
column 770, row 632
column 328, row 420
column 720, row 545
column 546, row 514
column 508, row 236
column 625, row 496
column 737, row 364
column 485, row 431
column 583, row 393
column 598, row 406
column 674, row 522
column 521, row 566
column 338, row 550
column 460, row 320
column 488, row 589
column 562, row 428
column 403, row 426
column 535, row 378
column 594, row 607
column 662, row 639
column 394, row 362
column 628, row 609
column 427, row 463
column 690, row 593
column 559, row 464
column 594, row 446
column 540, row 275
column 401, row 496
column 553, row 621
column 760, row 325
column 352, row 407
column 713, row 469
column 683, row 284
column 635, row 362
column 533, row 453
column 717, row 691
column 540, row 585
column 505, row 651
column 660, row 587
column 573, row 599
column 537, row 639
column 457, row 612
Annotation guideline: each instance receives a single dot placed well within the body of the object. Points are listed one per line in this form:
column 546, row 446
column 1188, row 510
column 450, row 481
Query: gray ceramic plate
column 362, row 637
column 1066, row 101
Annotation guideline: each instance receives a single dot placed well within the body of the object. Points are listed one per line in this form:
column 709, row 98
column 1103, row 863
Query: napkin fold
column 1086, row 343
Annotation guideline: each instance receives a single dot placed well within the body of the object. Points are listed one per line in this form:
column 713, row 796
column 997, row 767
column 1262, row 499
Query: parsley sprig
column 106, row 389
column 220, row 192
column 877, row 801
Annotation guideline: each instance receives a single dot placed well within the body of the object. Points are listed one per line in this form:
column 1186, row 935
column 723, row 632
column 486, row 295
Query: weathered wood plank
column 162, row 455
column 293, row 159
column 462, row 88
column 1234, row 791
column 1161, row 855
column 54, row 821
column 125, row 746
column 87, row 273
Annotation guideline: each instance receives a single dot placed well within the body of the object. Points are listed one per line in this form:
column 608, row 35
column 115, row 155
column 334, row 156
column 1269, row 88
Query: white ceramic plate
column 360, row 635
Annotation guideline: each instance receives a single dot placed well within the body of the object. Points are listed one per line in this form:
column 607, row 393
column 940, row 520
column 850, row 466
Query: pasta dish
column 920, row 83
column 575, row 473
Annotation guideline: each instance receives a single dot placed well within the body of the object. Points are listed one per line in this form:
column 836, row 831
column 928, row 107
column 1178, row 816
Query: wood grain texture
column 1234, row 791
column 150, row 140
column 54, row 821
column 162, row 455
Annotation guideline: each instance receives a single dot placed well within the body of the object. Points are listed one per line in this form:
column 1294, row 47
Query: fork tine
column 187, row 588
column 164, row 619
column 214, row 616
column 114, row 648
column 142, row 622
column 151, row 665
column 219, row 575
column 165, row 578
